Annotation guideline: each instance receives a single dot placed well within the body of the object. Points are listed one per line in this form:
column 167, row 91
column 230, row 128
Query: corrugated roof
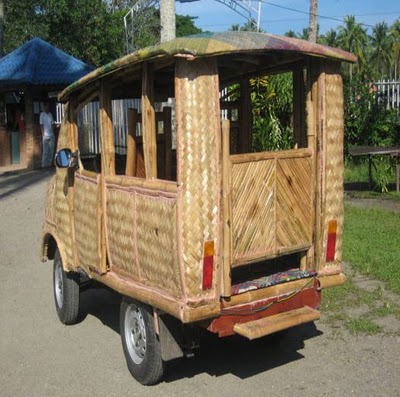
column 39, row 63
column 212, row 44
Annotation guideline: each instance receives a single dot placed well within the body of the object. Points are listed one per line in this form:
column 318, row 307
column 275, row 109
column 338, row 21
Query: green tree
column 185, row 26
column 83, row 28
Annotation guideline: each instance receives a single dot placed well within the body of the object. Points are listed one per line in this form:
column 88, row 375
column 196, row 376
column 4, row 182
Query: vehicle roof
column 210, row 45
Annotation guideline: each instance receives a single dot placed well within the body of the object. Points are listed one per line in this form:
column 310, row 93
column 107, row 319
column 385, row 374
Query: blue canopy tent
column 31, row 72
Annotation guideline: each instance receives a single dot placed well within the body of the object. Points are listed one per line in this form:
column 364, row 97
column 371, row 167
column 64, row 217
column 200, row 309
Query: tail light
column 331, row 243
column 208, row 265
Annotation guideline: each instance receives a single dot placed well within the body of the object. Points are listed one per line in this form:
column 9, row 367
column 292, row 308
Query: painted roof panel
column 213, row 44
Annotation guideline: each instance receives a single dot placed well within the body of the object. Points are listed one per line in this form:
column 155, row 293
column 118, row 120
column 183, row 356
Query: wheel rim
column 58, row 285
column 135, row 333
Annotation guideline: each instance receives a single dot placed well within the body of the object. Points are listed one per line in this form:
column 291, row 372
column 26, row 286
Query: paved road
column 39, row 357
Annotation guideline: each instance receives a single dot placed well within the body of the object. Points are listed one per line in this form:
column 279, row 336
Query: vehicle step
column 278, row 322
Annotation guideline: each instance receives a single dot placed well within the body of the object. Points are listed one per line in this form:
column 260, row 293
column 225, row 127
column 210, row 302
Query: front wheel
column 66, row 292
column 140, row 343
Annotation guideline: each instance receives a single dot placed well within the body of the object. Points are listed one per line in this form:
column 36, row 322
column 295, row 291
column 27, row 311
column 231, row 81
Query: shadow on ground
column 14, row 182
column 215, row 356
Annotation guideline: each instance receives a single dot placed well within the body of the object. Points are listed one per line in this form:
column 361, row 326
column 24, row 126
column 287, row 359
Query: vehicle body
column 182, row 218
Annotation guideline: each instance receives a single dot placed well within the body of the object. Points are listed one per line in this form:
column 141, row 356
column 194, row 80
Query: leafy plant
column 272, row 106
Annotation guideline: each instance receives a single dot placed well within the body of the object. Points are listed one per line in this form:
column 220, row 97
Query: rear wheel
column 140, row 343
column 66, row 292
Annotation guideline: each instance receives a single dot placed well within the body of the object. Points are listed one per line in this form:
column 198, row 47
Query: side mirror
column 65, row 159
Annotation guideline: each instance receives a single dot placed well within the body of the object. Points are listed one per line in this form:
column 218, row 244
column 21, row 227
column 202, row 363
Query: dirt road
column 39, row 357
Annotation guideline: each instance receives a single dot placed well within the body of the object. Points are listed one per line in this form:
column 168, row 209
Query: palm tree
column 353, row 38
column 312, row 36
column 395, row 32
column 330, row 38
column 167, row 19
column 381, row 55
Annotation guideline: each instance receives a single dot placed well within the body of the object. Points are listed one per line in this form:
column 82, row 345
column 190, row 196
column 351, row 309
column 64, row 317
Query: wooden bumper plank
column 269, row 325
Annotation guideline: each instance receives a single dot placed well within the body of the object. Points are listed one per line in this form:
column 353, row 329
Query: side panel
column 141, row 236
column 331, row 165
column 87, row 219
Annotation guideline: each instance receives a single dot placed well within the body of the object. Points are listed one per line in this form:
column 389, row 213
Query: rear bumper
column 307, row 296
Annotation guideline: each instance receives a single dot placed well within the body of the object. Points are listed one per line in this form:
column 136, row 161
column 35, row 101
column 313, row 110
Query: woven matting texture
column 62, row 215
column 199, row 131
column 156, row 243
column 141, row 238
column 87, row 227
column 333, row 202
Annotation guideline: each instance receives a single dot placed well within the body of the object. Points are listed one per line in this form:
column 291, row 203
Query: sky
column 213, row 16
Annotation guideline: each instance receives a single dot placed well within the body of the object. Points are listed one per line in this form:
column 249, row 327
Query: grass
column 372, row 243
column 372, row 246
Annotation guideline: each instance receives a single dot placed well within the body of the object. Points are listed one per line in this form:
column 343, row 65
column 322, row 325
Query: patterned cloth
column 273, row 279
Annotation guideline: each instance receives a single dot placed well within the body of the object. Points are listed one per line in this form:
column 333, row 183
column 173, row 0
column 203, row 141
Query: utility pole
column 312, row 31
column 2, row 5
column 168, row 20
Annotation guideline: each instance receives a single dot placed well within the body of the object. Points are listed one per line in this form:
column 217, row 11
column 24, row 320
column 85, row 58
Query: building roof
column 39, row 63
column 215, row 44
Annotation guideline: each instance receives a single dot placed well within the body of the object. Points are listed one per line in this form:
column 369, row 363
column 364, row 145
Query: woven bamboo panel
column 62, row 215
column 120, row 231
column 86, row 209
column 293, row 202
column 198, row 123
column 333, row 199
column 271, row 206
column 253, row 209
column 156, row 243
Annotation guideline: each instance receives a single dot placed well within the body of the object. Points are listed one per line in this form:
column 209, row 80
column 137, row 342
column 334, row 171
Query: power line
column 307, row 13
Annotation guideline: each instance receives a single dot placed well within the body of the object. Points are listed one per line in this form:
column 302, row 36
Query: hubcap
column 135, row 333
column 58, row 285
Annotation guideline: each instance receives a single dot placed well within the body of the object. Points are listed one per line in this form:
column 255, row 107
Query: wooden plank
column 269, row 325
column 283, row 154
column 167, row 118
column 149, row 122
column 131, row 149
column 226, row 198
column 298, row 108
column 106, row 129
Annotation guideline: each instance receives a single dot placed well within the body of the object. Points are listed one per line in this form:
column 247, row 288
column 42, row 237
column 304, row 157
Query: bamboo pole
column 149, row 123
column 131, row 149
column 226, row 197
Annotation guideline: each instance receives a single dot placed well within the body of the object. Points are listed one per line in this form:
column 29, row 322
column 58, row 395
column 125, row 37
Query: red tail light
column 331, row 243
column 208, row 265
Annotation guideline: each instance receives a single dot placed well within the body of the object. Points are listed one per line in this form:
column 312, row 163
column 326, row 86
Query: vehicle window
column 89, row 136
column 127, row 119
column 265, row 112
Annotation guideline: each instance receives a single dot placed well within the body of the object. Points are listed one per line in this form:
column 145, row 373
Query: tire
column 140, row 343
column 66, row 292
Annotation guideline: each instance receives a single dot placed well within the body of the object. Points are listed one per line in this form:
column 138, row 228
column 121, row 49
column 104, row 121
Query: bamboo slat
column 226, row 193
column 131, row 147
column 149, row 123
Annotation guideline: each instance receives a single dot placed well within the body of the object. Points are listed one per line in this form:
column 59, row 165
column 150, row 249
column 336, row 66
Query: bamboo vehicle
column 186, row 222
